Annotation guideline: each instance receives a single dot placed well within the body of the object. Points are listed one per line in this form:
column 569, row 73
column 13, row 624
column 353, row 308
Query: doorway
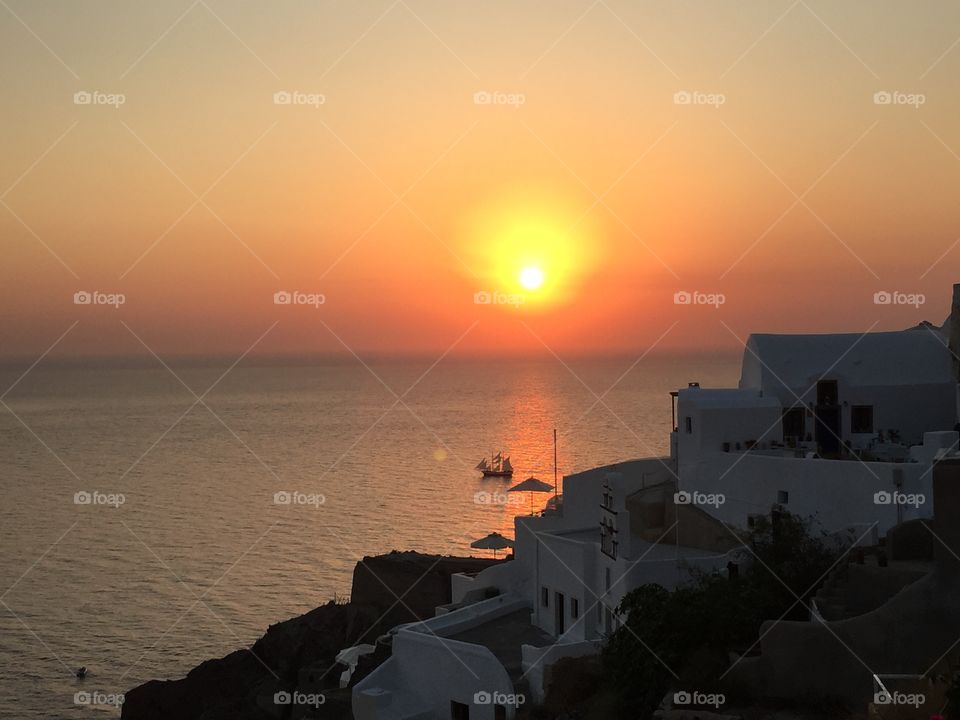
column 559, row 619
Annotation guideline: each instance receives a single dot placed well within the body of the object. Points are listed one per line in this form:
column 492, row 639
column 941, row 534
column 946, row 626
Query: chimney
column 955, row 331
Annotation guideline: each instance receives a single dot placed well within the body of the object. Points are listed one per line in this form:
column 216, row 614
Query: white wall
column 439, row 670
column 839, row 492
column 714, row 426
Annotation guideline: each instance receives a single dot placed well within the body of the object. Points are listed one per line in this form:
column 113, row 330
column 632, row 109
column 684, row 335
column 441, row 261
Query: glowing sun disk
column 531, row 278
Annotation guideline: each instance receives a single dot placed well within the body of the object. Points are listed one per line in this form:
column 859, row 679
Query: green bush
column 691, row 631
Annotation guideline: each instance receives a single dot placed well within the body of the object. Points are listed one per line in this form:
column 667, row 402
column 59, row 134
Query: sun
column 531, row 278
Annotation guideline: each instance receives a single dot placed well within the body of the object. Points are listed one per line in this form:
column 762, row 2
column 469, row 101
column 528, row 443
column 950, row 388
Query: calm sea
column 182, row 553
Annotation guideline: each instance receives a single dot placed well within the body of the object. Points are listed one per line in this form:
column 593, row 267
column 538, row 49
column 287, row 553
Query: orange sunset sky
column 435, row 149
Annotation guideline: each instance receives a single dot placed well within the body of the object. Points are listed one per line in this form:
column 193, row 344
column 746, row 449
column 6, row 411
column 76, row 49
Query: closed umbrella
column 531, row 485
column 494, row 541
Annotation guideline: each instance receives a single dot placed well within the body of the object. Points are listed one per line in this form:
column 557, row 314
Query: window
column 608, row 537
column 827, row 392
column 608, row 579
column 499, row 712
column 459, row 711
column 688, row 425
column 574, row 608
column 793, row 422
column 861, row 419
column 783, row 497
column 544, row 596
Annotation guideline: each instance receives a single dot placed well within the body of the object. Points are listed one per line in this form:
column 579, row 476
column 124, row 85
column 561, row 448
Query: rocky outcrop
column 297, row 655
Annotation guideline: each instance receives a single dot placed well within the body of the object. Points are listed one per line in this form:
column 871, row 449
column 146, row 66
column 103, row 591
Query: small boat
column 81, row 672
column 498, row 466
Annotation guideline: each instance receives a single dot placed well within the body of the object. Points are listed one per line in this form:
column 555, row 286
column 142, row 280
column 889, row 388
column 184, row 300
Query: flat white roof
column 917, row 356
column 707, row 398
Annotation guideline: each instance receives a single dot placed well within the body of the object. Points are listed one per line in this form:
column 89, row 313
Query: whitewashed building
column 802, row 432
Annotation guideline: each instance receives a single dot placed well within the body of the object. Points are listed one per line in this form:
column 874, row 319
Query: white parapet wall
column 838, row 493
column 427, row 670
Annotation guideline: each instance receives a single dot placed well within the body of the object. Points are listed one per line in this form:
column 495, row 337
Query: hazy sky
column 626, row 150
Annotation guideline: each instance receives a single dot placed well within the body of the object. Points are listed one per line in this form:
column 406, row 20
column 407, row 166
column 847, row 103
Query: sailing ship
column 498, row 466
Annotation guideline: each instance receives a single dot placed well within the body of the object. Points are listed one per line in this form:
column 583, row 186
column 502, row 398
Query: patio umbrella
column 531, row 485
column 494, row 541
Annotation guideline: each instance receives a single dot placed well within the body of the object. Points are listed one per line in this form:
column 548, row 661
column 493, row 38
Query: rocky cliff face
column 297, row 655
column 954, row 329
